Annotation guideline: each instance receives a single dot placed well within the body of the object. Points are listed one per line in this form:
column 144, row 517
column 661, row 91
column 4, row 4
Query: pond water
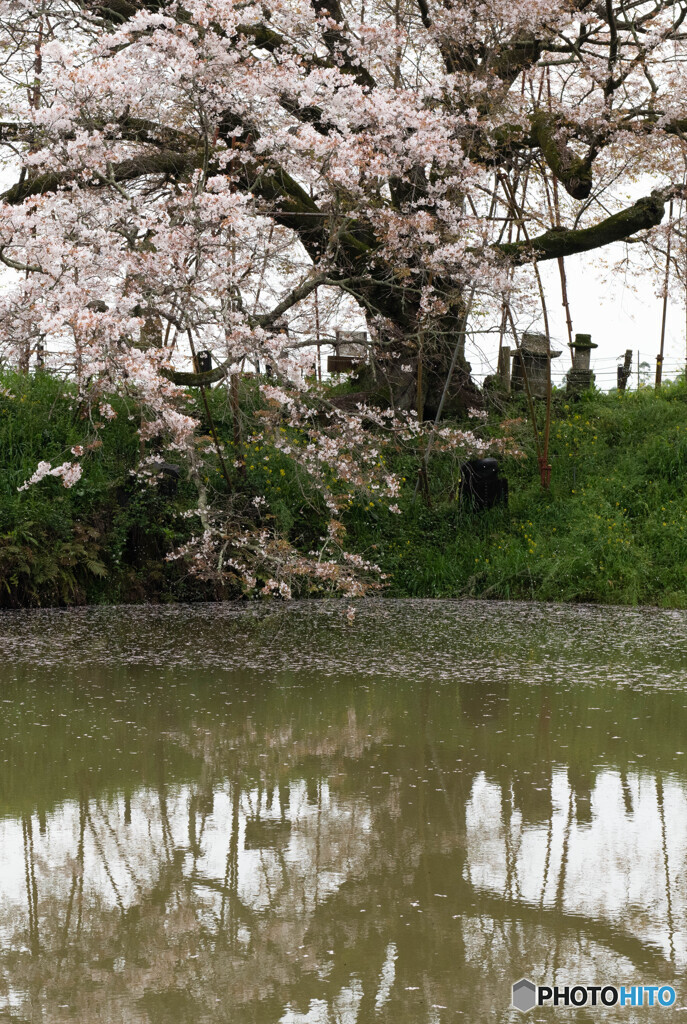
column 279, row 815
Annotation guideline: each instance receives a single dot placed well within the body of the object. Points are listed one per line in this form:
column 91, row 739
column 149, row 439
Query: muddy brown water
column 276, row 815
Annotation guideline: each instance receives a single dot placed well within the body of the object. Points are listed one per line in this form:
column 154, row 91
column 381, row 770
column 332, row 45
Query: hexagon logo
column 524, row 995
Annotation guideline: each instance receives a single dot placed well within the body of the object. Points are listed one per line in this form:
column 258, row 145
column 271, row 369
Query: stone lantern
column 580, row 377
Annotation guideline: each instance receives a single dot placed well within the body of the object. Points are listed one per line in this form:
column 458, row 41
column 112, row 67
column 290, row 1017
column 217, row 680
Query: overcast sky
column 619, row 311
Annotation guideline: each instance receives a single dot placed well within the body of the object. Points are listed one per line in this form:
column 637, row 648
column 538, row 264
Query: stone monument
column 534, row 355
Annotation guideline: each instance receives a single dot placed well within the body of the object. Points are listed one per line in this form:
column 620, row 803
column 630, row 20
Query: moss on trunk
column 644, row 214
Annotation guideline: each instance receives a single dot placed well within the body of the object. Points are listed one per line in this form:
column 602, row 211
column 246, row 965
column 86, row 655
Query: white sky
column 619, row 312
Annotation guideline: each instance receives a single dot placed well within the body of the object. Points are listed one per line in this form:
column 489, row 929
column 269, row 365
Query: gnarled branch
column 166, row 163
column 556, row 242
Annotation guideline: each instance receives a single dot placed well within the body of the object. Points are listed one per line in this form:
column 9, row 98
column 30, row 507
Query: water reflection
column 209, row 815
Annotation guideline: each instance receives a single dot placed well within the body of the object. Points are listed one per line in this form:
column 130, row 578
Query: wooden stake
column 211, row 422
column 659, row 358
column 236, row 422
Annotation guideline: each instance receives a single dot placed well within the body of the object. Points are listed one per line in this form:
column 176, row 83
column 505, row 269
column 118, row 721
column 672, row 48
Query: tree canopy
column 223, row 174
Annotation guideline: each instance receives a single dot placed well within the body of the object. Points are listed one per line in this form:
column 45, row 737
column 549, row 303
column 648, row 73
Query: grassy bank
column 610, row 529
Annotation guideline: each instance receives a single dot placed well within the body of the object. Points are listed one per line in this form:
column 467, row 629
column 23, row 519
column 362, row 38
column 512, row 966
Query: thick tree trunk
column 410, row 365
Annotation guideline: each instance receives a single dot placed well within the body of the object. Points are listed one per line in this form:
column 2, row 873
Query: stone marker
column 534, row 353
column 581, row 378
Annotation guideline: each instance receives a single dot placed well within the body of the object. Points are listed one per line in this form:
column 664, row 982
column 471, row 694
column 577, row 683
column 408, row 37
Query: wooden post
column 659, row 358
column 211, row 422
column 625, row 370
column 419, row 400
column 236, row 422
column 504, row 367
column 318, row 365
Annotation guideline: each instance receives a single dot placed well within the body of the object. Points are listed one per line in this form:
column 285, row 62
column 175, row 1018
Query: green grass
column 612, row 528
column 104, row 539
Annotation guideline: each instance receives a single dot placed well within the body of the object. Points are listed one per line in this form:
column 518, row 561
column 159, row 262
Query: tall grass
column 103, row 539
column 612, row 527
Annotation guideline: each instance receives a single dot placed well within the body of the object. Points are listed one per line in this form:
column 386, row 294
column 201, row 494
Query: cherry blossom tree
column 218, row 174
